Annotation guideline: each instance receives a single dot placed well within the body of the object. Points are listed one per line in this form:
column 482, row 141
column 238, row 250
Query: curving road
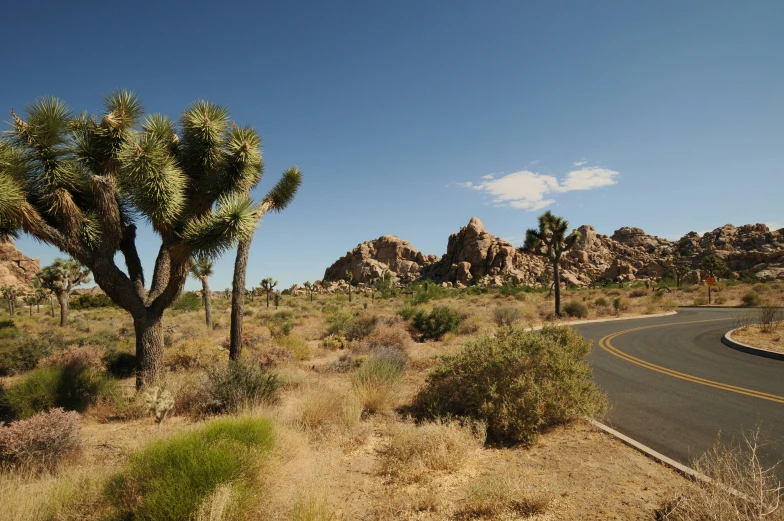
column 674, row 386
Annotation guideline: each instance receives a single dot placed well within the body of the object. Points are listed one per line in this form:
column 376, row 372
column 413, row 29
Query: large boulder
column 370, row 260
column 16, row 268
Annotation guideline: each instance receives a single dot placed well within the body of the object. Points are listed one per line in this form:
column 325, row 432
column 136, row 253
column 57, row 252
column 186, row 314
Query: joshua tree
column 310, row 288
column 9, row 294
column 60, row 278
column 551, row 241
column 268, row 285
column 349, row 278
column 714, row 266
column 201, row 268
column 679, row 267
column 276, row 200
column 79, row 182
column 39, row 292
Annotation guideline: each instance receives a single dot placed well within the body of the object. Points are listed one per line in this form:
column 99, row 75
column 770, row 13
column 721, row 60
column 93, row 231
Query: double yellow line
column 606, row 344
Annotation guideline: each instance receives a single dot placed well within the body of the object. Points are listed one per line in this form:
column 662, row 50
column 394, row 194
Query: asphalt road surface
column 674, row 386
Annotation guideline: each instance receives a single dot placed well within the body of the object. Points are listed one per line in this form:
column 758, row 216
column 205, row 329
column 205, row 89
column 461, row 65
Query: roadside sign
column 710, row 281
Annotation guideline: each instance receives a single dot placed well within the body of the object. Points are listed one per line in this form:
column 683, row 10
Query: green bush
column 407, row 312
column 507, row 316
column 426, row 291
column 188, row 301
column 601, row 302
column 22, row 352
column 352, row 326
column 230, row 388
column 518, row 383
column 90, row 301
column 576, row 309
column 169, row 479
column 72, row 387
column 281, row 323
column 751, row 299
column 700, row 301
column 440, row 321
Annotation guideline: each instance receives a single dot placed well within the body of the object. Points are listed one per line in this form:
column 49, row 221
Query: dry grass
column 502, row 495
column 414, row 453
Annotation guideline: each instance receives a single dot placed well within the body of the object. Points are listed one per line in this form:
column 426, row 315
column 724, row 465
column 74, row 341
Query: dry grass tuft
column 414, row 452
column 502, row 495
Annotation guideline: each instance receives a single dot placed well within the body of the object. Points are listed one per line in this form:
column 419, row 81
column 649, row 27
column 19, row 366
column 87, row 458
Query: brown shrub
column 85, row 356
column 394, row 334
column 42, row 441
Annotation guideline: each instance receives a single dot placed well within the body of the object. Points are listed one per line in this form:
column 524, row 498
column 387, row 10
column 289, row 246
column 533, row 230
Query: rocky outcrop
column 475, row 256
column 16, row 268
column 370, row 260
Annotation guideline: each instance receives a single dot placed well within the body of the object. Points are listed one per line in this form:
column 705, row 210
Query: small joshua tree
column 268, row 285
column 10, row 294
column 679, row 267
column 159, row 402
column 349, row 278
column 201, row 268
column 551, row 241
column 60, row 278
column 310, row 289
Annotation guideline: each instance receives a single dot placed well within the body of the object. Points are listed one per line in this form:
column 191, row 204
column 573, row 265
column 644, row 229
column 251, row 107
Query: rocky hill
column 475, row 256
column 16, row 268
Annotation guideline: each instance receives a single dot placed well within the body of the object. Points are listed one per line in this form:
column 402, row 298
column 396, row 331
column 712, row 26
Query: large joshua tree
column 61, row 277
column 201, row 268
column 80, row 182
column 551, row 241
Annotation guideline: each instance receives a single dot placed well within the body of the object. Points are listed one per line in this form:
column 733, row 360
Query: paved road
column 674, row 386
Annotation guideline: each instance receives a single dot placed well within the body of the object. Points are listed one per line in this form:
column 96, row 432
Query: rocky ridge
column 475, row 256
column 16, row 268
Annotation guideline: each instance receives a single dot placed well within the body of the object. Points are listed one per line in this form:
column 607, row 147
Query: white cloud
column 488, row 176
column 527, row 190
column 580, row 163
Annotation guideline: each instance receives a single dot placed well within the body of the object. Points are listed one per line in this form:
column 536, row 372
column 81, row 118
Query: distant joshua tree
column 60, row 278
column 551, row 241
column 310, row 289
column 349, row 278
column 201, row 268
column 268, row 285
column 9, row 295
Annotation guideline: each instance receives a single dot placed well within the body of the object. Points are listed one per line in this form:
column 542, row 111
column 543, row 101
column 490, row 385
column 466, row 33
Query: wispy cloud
column 580, row 163
column 532, row 191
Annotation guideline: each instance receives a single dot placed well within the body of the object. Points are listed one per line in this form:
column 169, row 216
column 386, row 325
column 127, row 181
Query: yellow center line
column 606, row 344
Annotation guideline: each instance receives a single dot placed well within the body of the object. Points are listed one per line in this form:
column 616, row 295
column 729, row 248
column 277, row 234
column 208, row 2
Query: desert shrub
column 700, row 301
column 426, row 291
column 334, row 342
column 415, row 451
column 21, row 352
column 377, row 382
column 118, row 363
column 769, row 317
column 601, row 302
column 507, row 316
column 170, row 479
column 230, row 388
column 41, row 441
column 72, row 387
column 296, row 346
column 389, row 334
column 280, row 323
column 353, row 326
column 440, row 321
column 90, row 301
column 517, row 382
column 751, row 299
column 407, row 312
column 321, row 412
column 503, row 495
column 638, row 292
column 741, row 488
column 620, row 304
column 576, row 309
column 188, row 301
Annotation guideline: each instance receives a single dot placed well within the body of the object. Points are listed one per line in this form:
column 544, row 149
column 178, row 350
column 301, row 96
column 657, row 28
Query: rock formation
column 16, row 268
column 370, row 260
column 475, row 256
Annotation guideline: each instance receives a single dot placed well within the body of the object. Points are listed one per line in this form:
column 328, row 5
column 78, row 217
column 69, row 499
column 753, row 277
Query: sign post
column 709, row 281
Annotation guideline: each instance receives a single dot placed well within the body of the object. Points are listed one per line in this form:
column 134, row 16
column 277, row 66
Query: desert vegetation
column 387, row 396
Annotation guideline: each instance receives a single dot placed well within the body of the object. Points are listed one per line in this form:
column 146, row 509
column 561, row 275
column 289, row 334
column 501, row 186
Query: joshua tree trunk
column 62, row 299
column 205, row 296
column 557, row 287
column 268, row 300
column 149, row 347
column 238, row 299
column 51, row 303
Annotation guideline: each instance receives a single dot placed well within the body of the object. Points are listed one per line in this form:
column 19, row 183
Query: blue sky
column 662, row 115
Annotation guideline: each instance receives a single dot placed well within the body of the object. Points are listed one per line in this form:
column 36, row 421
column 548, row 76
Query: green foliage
column 751, row 299
column 714, row 266
column 188, row 301
column 440, row 321
column 90, row 301
column 169, row 479
column 576, row 309
column 118, row 363
column 72, row 387
column 21, row 352
column 352, row 326
column 407, row 312
column 747, row 277
column 230, row 388
column 426, row 291
column 386, row 286
column 280, row 323
column 601, row 302
column 518, row 383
